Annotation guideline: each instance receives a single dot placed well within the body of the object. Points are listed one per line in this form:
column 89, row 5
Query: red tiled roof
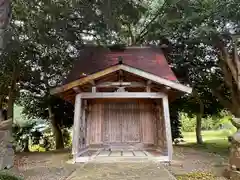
column 148, row 59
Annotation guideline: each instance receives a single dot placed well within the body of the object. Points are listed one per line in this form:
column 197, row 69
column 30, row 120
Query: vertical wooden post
column 76, row 126
column 148, row 88
column 167, row 126
column 94, row 89
column 83, row 129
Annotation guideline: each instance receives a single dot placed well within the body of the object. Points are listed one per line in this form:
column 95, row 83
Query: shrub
column 6, row 176
column 175, row 125
column 188, row 123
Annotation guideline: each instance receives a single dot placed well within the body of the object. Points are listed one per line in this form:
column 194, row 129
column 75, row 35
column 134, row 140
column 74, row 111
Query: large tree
column 201, row 42
column 52, row 33
column 5, row 16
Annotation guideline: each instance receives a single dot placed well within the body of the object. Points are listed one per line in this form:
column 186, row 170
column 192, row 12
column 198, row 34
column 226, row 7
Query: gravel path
column 122, row 171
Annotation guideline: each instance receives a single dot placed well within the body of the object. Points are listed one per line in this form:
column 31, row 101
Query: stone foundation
column 6, row 150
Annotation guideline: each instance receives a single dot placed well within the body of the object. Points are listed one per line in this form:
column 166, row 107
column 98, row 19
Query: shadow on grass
column 220, row 146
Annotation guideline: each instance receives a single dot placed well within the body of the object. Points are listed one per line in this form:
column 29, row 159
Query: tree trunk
column 10, row 105
column 199, row 118
column 198, row 128
column 26, row 145
column 56, row 130
column 12, row 94
column 5, row 16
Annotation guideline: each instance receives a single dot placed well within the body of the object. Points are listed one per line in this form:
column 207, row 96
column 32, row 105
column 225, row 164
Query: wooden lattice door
column 121, row 122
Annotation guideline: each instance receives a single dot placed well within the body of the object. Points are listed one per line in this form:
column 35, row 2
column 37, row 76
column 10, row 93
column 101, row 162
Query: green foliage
column 24, row 134
column 6, row 176
column 208, row 123
column 37, row 148
column 67, row 138
column 194, row 30
column 175, row 122
column 189, row 123
column 38, row 108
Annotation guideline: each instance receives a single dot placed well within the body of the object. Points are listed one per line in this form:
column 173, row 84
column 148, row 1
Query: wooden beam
column 156, row 79
column 138, row 72
column 76, row 126
column 167, row 126
column 92, row 82
column 85, row 80
column 77, row 89
column 117, row 84
column 122, row 95
column 149, row 82
column 120, row 75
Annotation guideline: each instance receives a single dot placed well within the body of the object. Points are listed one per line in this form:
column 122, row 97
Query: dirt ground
column 187, row 160
column 43, row 166
column 53, row 166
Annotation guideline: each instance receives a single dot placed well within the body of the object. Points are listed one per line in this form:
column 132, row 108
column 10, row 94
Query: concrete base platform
column 108, row 156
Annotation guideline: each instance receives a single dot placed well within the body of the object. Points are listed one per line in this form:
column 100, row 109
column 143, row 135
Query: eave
column 126, row 68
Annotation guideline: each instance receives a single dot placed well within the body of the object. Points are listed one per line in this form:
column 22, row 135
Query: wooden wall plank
column 121, row 121
column 95, row 124
column 130, row 122
column 148, row 124
column 89, row 117
column 161, row 142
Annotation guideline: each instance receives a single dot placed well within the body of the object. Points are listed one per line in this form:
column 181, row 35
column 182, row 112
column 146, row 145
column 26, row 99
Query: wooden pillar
column 167, row 126
column 83, row 125
column 76, row 126
column 94, row 89
column 148, row 88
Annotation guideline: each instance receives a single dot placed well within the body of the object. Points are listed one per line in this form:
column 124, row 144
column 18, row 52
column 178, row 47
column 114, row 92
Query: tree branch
column 226, row 58
column 131, row 34
column 237, row 63
column 222, row 99
column 226, row 74
column 145, row 29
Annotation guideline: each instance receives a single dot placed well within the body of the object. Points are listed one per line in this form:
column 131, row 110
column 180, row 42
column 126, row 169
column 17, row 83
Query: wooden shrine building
column 121, row 99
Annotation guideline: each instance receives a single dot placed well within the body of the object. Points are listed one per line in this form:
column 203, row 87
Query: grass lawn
column 214, row 141
column 196, row 176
